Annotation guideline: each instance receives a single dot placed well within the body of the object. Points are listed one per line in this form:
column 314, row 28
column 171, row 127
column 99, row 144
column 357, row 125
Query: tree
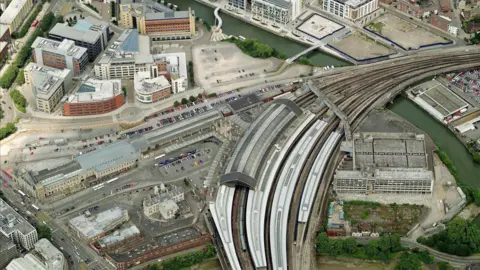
column 20, row 80
column 476, row 197
column 124, row 90
column 200, row 96
column 408, row 261
column 176, row 103
column 44, row 232
column 184, row 101
column 350, row 245
column 192, row 99
column 444, row 266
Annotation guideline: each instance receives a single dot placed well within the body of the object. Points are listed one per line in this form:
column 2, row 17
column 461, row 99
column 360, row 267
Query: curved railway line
column 297, row 176
column 356, row 113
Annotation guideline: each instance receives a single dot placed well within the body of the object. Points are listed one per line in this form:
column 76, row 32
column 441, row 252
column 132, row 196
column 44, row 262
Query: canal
column 468, row 171
column 233, row 26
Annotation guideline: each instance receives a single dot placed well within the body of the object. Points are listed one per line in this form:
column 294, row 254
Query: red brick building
column 439, row 22
column 95, row 97
column 5, row 34
column 410, row 7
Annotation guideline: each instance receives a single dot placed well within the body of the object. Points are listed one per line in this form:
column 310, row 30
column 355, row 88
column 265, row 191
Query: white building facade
column 353, row 10
column 276, row 11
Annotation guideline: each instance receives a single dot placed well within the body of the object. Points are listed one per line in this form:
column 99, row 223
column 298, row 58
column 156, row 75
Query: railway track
column 238, row 227
column 363, row 105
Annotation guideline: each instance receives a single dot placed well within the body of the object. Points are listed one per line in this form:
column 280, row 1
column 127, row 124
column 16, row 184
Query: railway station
column 438, row 101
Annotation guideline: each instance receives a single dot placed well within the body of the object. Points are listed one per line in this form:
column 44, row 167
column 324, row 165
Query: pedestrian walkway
column 216, row 161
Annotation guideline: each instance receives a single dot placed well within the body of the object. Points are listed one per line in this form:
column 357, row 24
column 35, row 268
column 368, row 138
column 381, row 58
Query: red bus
column 35, row 23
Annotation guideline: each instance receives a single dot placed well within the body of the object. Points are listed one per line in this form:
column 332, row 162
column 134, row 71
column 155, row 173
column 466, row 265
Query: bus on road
column 21, row 193
column 35, row 207
column 158, row 157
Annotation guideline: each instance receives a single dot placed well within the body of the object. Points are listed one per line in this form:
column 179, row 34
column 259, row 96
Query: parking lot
column 225, row 63
column 402, row 32
column 186, row 160
column 469, row 83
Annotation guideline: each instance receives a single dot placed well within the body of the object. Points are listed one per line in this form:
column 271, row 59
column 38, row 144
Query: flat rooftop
column 53, row 258
column 46, row 80
column 110, row 156
column 169, row 15
column 65, row 47
column 93, row 90
column 440, row 98
column 99, row 223
column 11, row 221
column 12, row 11
column 398, row 150
column 119, row 235
column 82, row 31
column 143, row 83
column 124, row 47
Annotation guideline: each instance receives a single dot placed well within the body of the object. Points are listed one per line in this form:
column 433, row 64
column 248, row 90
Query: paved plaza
column 319, row 27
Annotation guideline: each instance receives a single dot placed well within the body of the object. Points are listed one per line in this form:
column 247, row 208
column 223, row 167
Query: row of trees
column 381, row 249
column 19, row 100
column 113, row 9
column 28, row 23
column 184, row 261
column 190, row 73
column 257, row 49
column 92, row 7
column 25, row 52
column 185, row 101
column 461, row 238
column 7, row 130
column 1, row 113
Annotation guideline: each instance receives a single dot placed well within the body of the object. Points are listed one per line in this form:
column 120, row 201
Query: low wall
column 383, row 57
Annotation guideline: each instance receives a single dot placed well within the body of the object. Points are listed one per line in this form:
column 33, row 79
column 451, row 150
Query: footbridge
column 306, row 51
column 217, row 34
column 331, row 105
column 218, row 20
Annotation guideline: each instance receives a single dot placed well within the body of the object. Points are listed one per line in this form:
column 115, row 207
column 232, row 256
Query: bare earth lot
column 361, row 47
column 402, row 32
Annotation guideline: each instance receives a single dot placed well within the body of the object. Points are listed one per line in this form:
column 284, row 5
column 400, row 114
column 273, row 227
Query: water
column 233, row 26
column 468, row 171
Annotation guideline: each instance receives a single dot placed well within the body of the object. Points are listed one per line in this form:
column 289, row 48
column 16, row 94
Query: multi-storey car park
column 352, row 97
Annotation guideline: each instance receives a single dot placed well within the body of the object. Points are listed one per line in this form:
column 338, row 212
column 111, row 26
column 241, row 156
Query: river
column 234, row 26
column 468, row 171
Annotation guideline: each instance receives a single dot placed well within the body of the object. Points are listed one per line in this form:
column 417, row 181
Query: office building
column 119, row 236
column 15, row 227
column 240, row 4
column 148, row 89
column 156, row 20
column 95, row 97
column 353, row 10
column 276, row 11
column 15, row 13
column 75, row 175
column 8, row 251
column 45, row 257
column 48, row 85
column 92, row 227
column 123, row 59
column 386, row 163
column 89, row 33
column 61, row 55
